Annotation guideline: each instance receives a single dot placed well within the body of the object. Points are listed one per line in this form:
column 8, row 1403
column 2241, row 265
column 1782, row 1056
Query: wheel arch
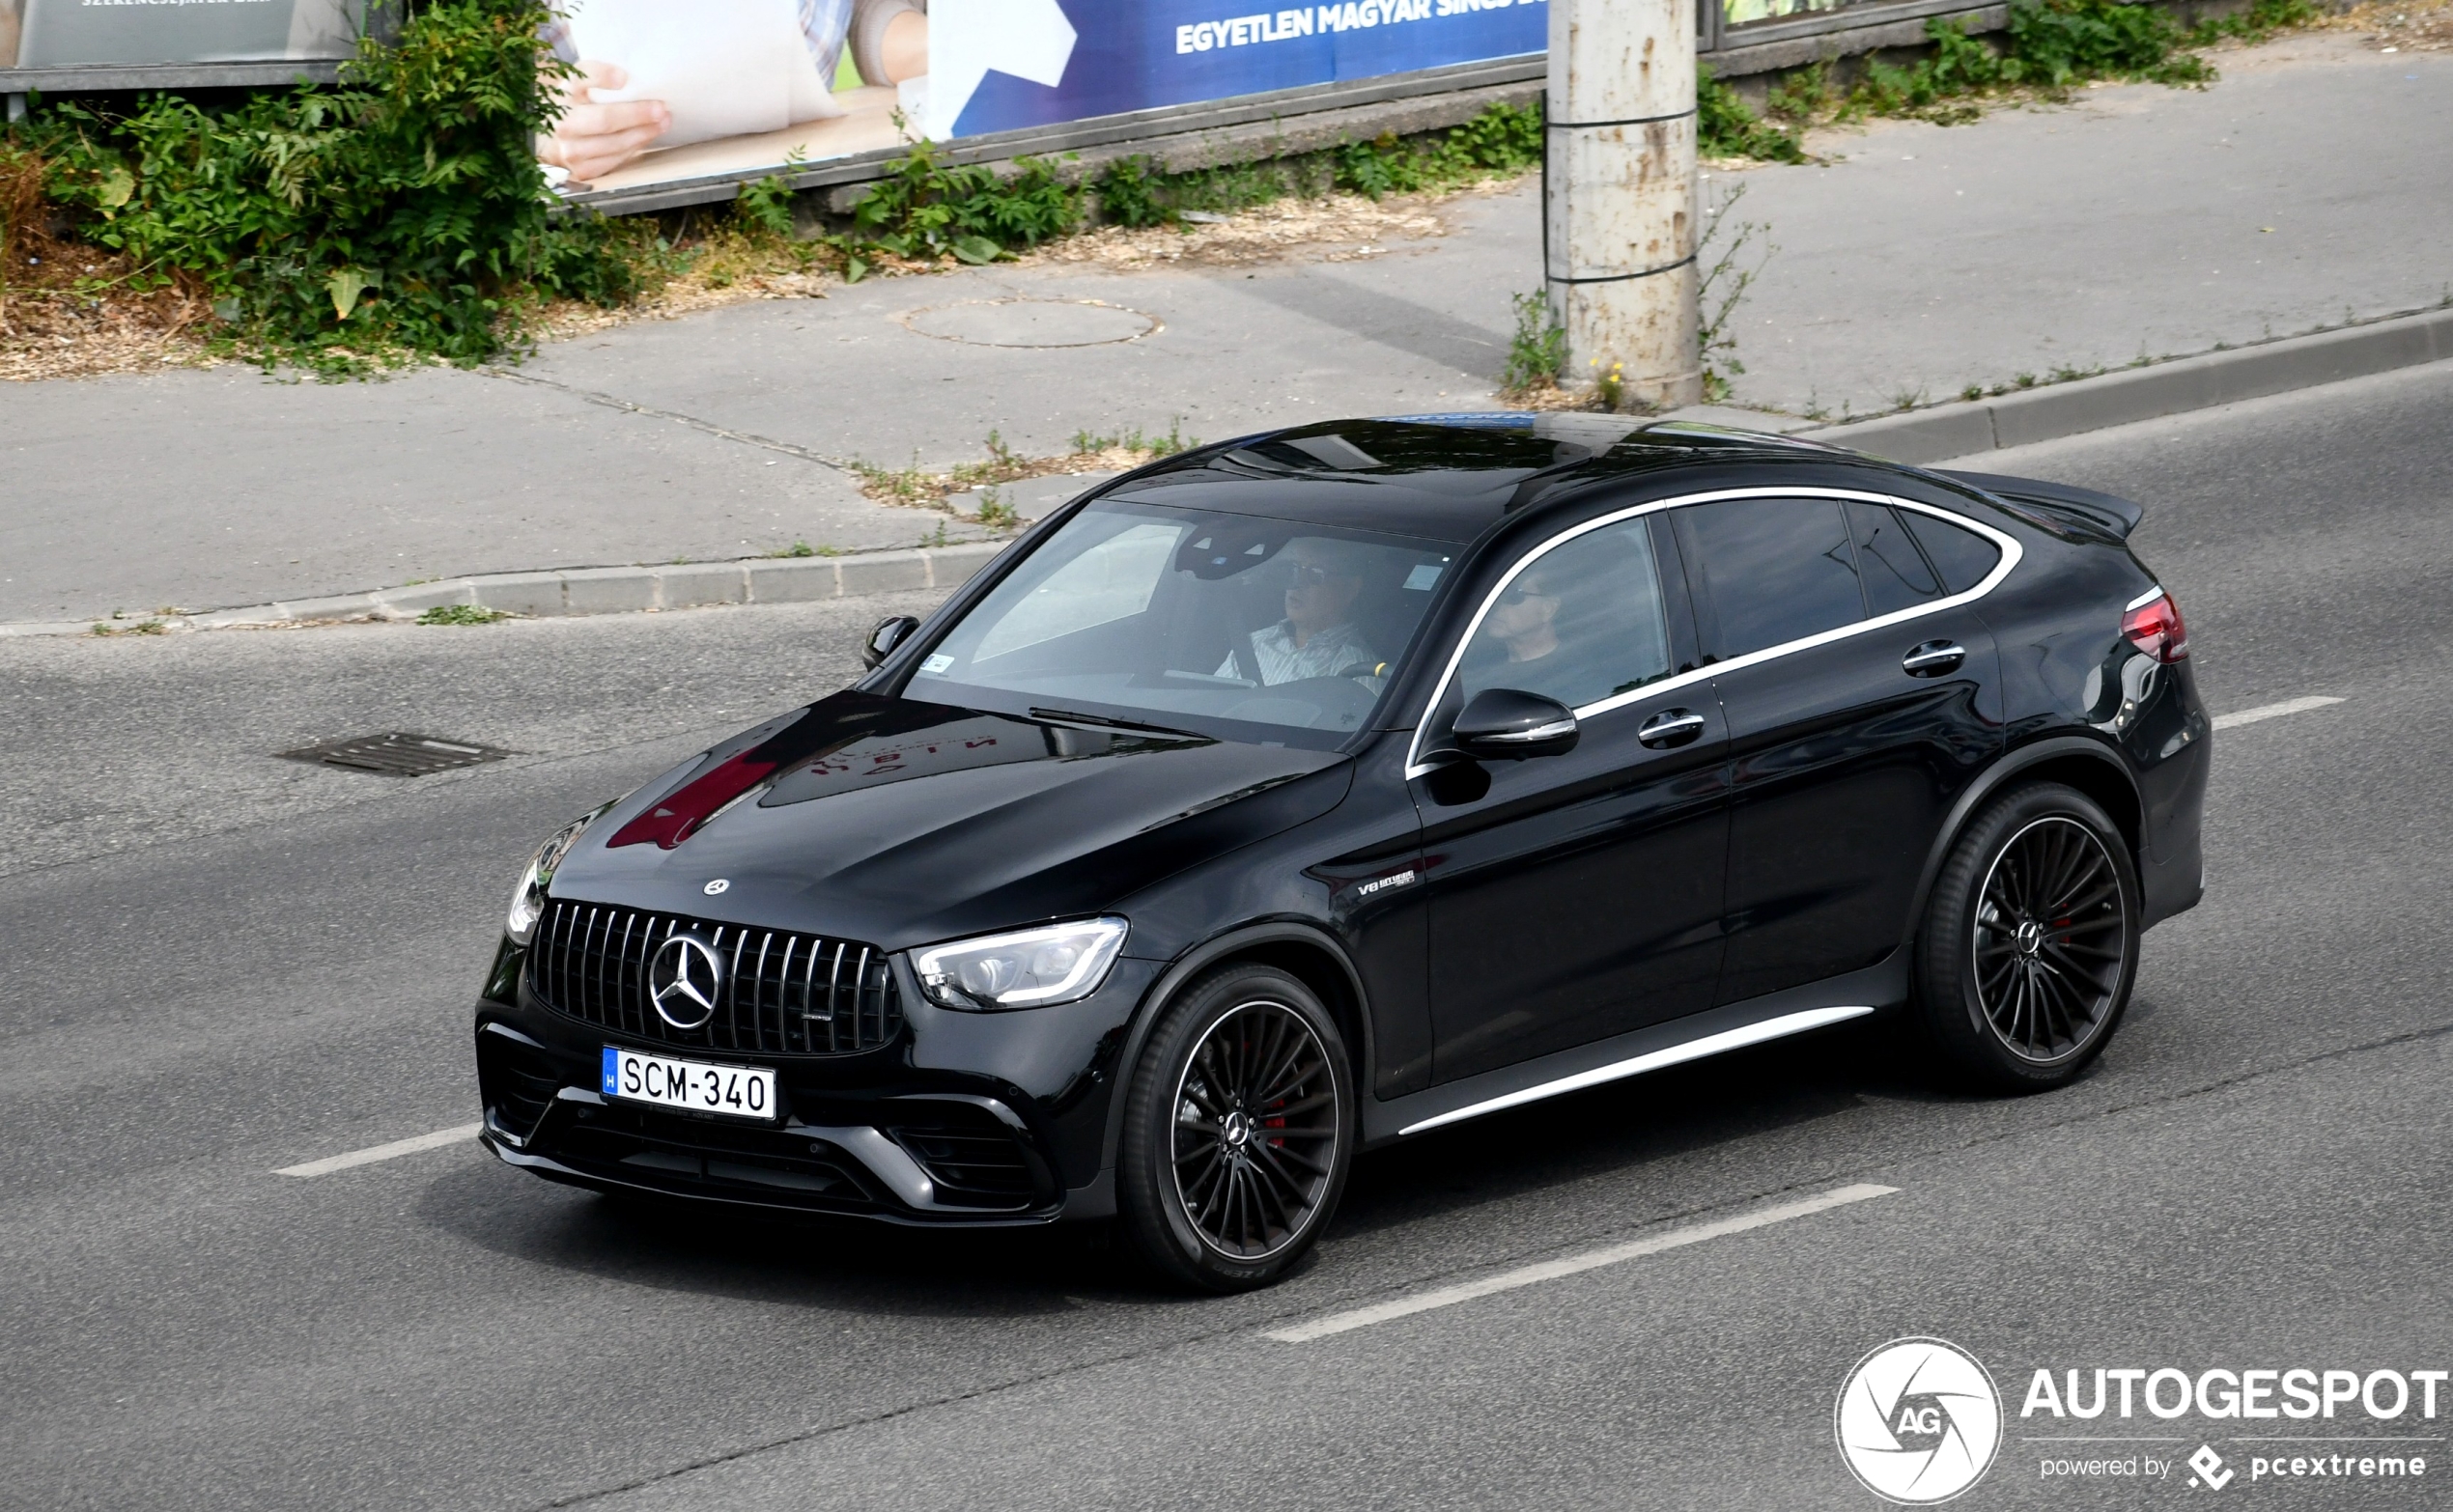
column 2083, row 762
column 1304, row 951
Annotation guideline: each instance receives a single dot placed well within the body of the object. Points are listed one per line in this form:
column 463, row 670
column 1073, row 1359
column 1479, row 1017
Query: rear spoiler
column 2061, row 503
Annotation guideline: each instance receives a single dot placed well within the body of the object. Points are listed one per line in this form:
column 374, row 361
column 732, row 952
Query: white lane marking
column 381, row 1152
column 1572, row 1264
column 2289, row 706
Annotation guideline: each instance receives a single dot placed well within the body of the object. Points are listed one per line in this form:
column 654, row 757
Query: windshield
column 1230, row 624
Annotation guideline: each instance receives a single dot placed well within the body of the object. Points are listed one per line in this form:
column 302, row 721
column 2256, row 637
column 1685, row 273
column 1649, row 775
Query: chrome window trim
column 2011, row 551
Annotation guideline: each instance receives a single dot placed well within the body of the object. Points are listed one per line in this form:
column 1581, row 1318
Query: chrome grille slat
column 783, row 996
column 860, row 993
column 590, row 962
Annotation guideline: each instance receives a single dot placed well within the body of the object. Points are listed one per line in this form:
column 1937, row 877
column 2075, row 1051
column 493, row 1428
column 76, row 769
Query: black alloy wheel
column 1238, row 1130
column 2030, row 942
column 2050, row 944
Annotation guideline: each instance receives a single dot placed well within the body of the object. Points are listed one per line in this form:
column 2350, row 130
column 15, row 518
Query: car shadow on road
column 1628, row 1128
column 1645, row 1148
column 836, row 1263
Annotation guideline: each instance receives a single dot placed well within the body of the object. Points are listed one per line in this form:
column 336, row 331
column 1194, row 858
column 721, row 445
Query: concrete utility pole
column 1621, row 225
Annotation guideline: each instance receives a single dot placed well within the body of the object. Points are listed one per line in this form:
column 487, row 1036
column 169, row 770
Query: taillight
column 2155, row 627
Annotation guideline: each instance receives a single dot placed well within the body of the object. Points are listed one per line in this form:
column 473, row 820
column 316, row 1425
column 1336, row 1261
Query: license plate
column 735, row 1091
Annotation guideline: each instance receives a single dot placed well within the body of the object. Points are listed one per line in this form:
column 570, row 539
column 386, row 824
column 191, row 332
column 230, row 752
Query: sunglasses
column 1517, row 593
column 1302, row 576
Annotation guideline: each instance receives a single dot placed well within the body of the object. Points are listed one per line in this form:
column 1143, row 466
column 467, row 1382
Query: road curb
column 596, row 590
column 2282, row 366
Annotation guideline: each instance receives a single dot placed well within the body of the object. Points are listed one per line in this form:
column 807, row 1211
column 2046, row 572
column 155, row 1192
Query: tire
column 2030, row 944
column 1239, row 1128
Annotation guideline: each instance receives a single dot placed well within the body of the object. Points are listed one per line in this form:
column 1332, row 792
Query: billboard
column 68, row 33
column 682, row 89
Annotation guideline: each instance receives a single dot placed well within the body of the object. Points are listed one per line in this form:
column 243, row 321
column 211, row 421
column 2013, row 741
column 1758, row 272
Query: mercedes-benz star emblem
column 682, row 978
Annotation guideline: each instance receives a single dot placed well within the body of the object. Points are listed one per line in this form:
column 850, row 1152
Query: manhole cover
column 396, row 754
column 1031, row 323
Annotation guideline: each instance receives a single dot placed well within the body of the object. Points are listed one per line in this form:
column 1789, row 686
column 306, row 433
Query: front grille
column 782, row 994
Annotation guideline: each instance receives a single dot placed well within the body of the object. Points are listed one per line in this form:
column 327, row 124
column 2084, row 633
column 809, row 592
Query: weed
column 911, row 486
column 937, row 537
column 1724, row 127
column 1972, row 392
column 796, row 548
column 1718, row 294
column 1905, row 399
column 2049, row 46
column 1805, row 96
column 399, row 214
column 765, row 206
column 1609, row 386
column 927, row 208
column 995, row 513
column 1538, row 351
column 140, row 628
column 1087, row 446
column 1128, row 190
column 2024, row 379
column 461, row 614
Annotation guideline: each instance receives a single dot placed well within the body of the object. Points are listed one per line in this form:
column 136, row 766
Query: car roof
column 1451, row 477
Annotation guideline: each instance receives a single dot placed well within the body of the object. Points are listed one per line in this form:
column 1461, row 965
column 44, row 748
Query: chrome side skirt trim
column 1740, row 1038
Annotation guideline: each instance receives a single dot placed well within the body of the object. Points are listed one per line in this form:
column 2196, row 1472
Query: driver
column 1317, row 637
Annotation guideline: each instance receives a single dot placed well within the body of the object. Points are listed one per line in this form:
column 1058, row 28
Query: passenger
column 1519, row 646
column 1317, row 637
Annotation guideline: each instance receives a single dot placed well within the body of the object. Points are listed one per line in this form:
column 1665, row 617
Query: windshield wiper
column 1120, row 726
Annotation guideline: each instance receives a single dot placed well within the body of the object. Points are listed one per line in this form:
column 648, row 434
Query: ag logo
column 1919, row 1422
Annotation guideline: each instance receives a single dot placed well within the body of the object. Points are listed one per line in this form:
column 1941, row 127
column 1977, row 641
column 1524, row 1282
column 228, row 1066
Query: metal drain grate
column 396, row 754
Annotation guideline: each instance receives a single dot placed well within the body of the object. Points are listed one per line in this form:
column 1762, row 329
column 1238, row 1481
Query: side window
column 1897, row 575
column 1962, row 555
column 1775, row 569
column 1580, row 623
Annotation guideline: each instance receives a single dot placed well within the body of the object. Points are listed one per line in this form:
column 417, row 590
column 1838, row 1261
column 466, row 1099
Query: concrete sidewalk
column 2309, row 188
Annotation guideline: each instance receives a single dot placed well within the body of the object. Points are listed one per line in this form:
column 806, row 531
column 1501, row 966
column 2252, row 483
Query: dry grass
column 2423, row 26
column 66, row 310
column 1336, row 228
column 917, row 487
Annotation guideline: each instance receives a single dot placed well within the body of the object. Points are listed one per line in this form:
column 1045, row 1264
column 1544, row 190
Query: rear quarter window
column 1959, row 554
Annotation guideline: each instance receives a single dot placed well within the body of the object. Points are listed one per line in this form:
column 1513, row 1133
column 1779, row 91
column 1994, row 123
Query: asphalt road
column 220, row 963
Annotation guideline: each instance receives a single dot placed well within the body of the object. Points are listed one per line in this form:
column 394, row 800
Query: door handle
column 1670, row 727
column 1933, row 658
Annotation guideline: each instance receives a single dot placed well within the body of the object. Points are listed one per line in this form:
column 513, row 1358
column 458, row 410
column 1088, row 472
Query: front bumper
column 964, row 1119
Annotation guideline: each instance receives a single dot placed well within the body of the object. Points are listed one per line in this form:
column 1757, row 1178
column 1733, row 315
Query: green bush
column 926, row 207
column 1128, row 191
column 2058, row 42
column 1724, row 127
column 400, row 211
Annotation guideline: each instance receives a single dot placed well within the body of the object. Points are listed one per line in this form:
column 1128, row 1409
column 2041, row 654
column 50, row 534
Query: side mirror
column 885, row 637
column 1505, row 724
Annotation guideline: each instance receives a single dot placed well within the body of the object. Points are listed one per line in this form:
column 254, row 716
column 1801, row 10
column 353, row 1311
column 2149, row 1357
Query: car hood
column 898, row 823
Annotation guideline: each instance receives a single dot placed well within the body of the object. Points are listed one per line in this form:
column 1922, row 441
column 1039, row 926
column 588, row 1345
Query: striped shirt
column 1325, row 654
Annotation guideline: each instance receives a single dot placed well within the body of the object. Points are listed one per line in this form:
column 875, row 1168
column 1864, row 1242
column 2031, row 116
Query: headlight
column 1028, row 969
column 527, row 901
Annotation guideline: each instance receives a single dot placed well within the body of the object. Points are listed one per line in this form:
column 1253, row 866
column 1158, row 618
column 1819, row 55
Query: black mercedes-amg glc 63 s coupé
column 1300, row 793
